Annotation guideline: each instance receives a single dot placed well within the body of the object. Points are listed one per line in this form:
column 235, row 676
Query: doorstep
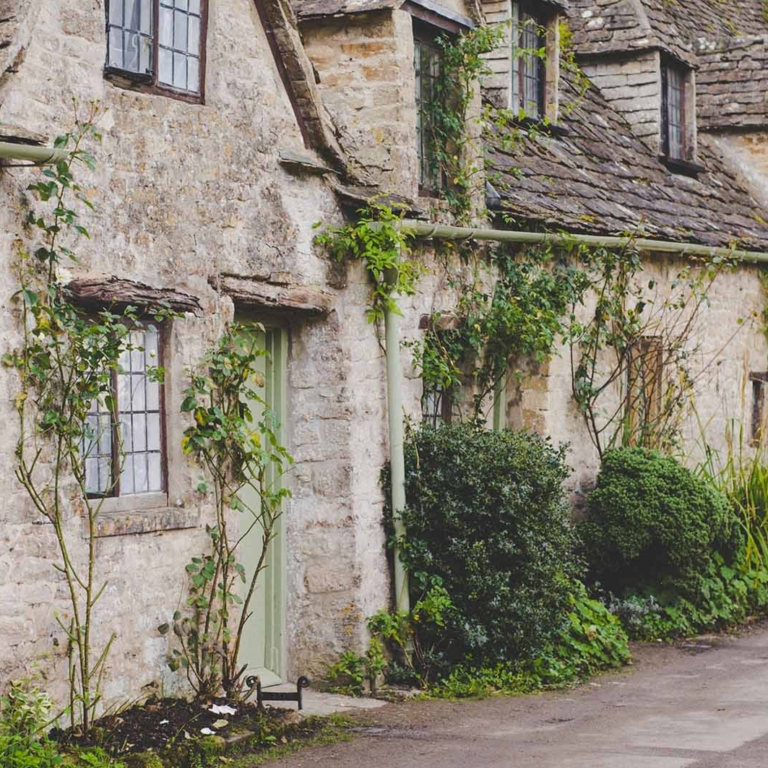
column 319, row 703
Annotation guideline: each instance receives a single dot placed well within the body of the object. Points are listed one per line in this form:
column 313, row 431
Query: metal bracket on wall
column 262, row 696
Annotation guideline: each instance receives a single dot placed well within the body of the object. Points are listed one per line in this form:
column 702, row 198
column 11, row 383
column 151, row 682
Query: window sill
column 685, row 167
column 430, row 192
column 133, row 81
column 138, row 521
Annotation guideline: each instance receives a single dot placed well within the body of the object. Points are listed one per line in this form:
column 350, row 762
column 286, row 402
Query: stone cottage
column 232, row 127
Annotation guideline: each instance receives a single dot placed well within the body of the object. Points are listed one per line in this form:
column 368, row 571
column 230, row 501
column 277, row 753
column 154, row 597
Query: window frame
column 442, row 401
column 517, row 76
column 669, row 65
column 148, row 82
column 645, row 389
column 425, row 34
column 757, row 412
column 114, row 491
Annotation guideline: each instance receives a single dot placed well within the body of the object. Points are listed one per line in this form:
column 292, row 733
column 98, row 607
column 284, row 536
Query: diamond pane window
column 133, row 453
column 528, row 64
column 158, row 42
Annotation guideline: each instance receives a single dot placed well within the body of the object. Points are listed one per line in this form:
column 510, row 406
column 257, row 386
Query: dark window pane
column 674, row 112
column 427, row 63
column 528, row 65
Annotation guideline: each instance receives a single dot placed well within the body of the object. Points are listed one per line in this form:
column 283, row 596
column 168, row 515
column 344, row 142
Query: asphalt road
column 703, row 705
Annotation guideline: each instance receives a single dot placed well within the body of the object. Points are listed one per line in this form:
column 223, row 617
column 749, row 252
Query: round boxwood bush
column 653, row 524
column 487, row 515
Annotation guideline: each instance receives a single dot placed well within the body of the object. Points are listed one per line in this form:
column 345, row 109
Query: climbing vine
column 515, row 309
column 462, row 65
column 381, row 242
column 234, row 437
column 635, row 360
column 66, row 364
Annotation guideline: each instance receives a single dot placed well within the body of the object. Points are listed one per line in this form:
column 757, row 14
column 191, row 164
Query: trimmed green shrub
column 653, row 525
column 487, row 518
column 593, row 640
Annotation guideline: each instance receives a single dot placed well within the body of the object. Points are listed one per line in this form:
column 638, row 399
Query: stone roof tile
column 598, row 177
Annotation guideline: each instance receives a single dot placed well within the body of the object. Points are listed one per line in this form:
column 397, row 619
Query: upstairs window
column 427, row 64
column 674, row 111
column 123, row 442
column 529, row 68
column 158, row 43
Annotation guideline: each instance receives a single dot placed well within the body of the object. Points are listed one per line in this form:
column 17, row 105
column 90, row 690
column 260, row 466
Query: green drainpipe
column 396, row 450
column 32, row 153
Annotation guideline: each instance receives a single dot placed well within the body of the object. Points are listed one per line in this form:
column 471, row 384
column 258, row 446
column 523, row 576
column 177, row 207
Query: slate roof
column 599, row 178
column 309, row 9
column 677, row 26
column 726, row 41
column 732, row 84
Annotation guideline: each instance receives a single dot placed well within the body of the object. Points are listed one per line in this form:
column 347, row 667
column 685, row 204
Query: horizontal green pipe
column 32, row 153
column 427, row 231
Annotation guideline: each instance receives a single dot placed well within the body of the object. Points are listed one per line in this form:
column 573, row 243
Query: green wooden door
column 263, row 648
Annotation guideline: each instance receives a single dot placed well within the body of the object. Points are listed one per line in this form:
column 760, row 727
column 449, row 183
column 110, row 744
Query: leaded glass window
column 674, row 81
column 161, row 41
column 528, row 62
column 179, row 45
column 427, row 57
column 126, row 443
column 130, row 25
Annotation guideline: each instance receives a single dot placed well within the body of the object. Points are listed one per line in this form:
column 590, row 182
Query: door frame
column 278, row 361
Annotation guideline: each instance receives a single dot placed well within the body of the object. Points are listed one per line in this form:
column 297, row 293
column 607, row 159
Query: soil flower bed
column 175, row 733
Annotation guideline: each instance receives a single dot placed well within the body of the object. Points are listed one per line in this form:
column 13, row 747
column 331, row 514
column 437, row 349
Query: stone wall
column 187, row 195
column 747, row 153
column 632, row 85
column 727, row 342
column 365, row 71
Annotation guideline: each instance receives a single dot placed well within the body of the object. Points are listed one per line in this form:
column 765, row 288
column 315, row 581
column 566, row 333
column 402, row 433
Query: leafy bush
column 487, row 517
column 729, row 594
column 653, row 525
column 594, row 638
column 24, row 714
column 592, row 641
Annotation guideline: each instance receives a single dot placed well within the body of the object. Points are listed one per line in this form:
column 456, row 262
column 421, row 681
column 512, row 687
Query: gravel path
column 700, row 705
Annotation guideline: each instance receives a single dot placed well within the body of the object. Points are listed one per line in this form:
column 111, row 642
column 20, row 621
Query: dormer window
column 674, row 112
column 678, row 116
column 529, row 55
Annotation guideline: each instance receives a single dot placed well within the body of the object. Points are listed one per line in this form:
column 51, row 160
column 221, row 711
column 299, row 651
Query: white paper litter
column 222, row 709
column 207, row 732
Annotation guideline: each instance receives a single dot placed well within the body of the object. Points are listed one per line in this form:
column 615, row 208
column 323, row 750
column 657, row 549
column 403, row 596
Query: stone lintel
column 256, row 294
column 117, row 291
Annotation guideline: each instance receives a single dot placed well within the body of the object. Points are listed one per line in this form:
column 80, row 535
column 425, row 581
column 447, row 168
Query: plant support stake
column 396, row 454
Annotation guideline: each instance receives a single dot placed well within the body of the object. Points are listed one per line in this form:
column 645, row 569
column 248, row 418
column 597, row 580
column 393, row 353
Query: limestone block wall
column 632, row 84
column 187, row 194
column 747, row 153
column 364, row 64
column 726, row 344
